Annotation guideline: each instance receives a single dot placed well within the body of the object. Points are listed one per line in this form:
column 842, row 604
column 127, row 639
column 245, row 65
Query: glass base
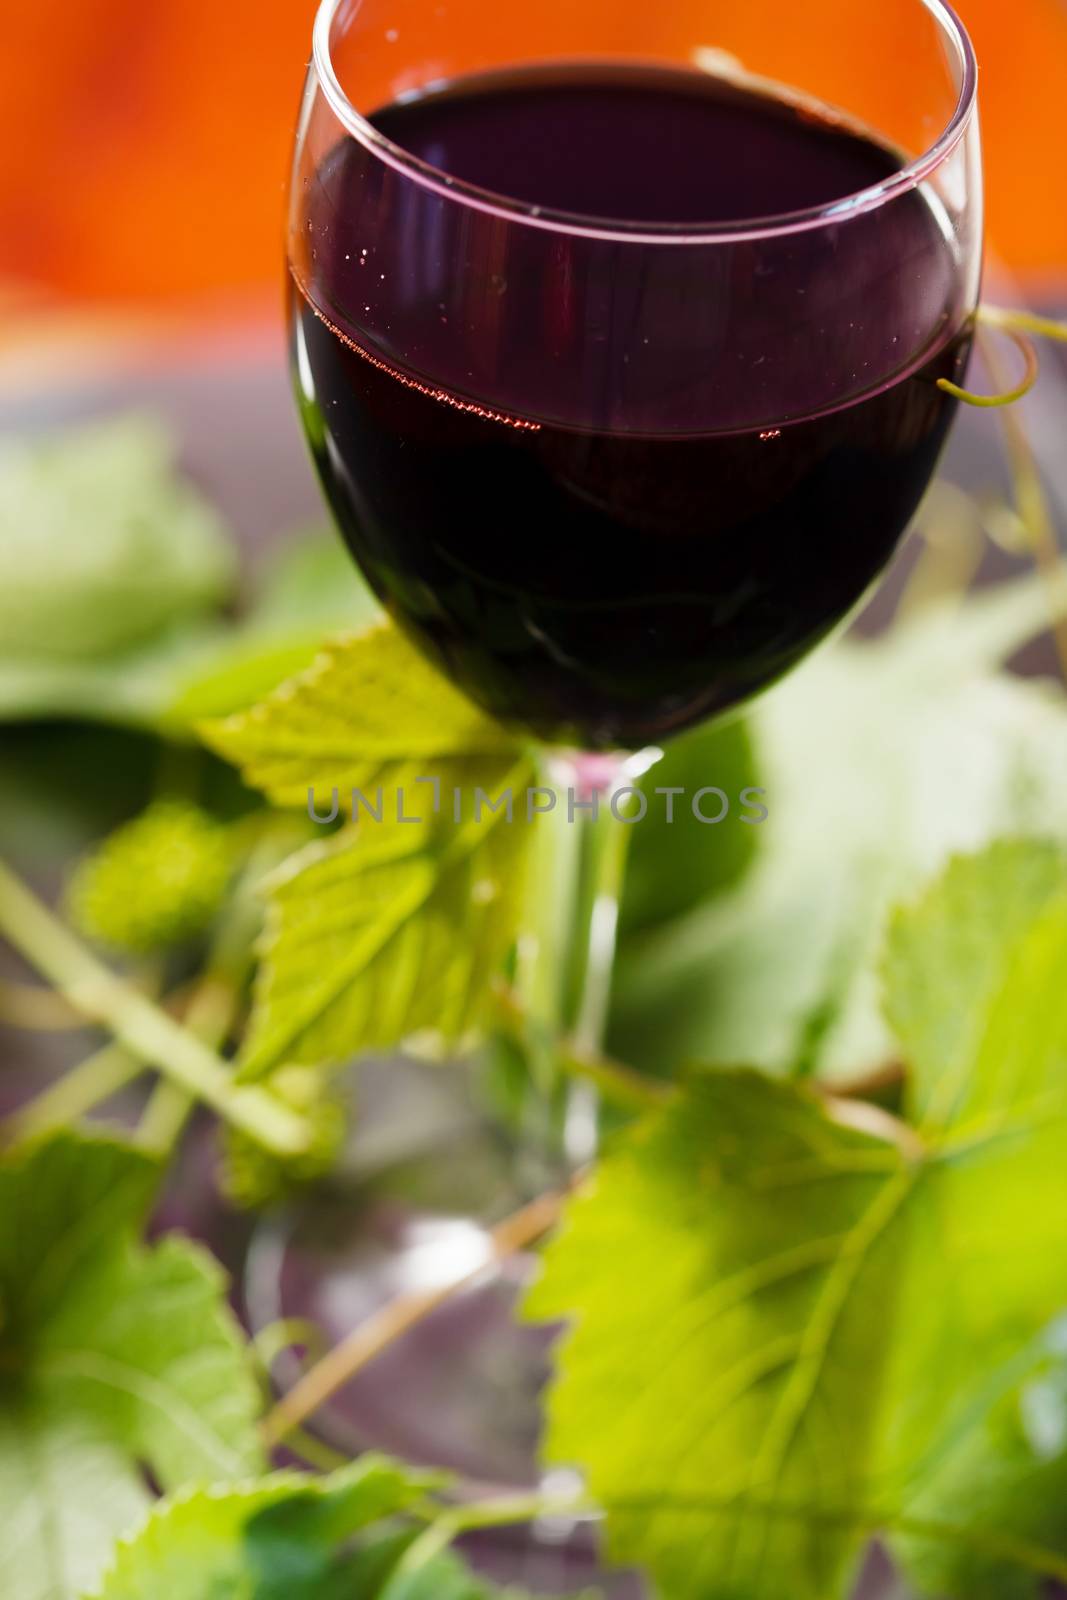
column 426, row 1174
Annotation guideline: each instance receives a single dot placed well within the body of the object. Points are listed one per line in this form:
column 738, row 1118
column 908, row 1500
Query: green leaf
column 975, row 982
column 111, row 612
column 1006, row 1469
column 130, row 688
column 395, row 927
column 191, row 671
column 880, row 760
column 787, row 1333
column 311, row 590
column 370, row 704
column 957, row 941
column 112, row 569
column 724, row 1271
column 110, row 1355
column 389, row 929
column 674, row 866
column 101, row 547
column 289, row 1537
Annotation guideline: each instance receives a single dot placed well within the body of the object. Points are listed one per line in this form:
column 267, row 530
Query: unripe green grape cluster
column 251, row 1177
column 155, row 882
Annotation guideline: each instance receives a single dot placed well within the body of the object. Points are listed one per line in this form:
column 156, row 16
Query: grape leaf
column 309, row 591
column 389, row 929
column 288, row 1537
column 112, row 569
column 368, row 705
column 879, row 759
column 101, row 545
column 1003, row 1478
column 725, row 1270
column 131, row 688
column 787, row 1333
column 110, row 1355
column 956, row 940
column 979, row 1429
column 396, row 926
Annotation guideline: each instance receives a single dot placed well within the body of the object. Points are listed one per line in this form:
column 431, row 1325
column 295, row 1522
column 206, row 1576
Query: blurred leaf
column 879, row 760
column 311, row 582
column 101, row 545
column 311, row 590
column 673, row 866
column 191, row 670
column 111, row 570
column 1005, row 1468
column 110, row 1355
column 368, row 705
column 285, row 1537
column 389, row 930
column 816, row 1333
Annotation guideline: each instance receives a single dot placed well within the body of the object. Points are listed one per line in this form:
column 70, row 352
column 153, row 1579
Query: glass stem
column 568, row 955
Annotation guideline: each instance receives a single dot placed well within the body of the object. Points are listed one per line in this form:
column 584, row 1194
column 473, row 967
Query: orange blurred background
column 145, row 144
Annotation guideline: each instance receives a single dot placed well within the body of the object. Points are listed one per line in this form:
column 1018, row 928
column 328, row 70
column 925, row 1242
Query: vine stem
column 618, row 1084
column 93, row 1080
column 164, row 1117
column 1007, row 397
column 370, row 1337
column 446, row 1526
column 507, row 1510
column 146, row 1031
column 631, row 1090
column 887, row 1075
column 1023, row 322
column 266, row 1346
column 1017, row 325
column 1023, row 1553
column 867, row 1118
column 37, row 1009
column 209, row 1015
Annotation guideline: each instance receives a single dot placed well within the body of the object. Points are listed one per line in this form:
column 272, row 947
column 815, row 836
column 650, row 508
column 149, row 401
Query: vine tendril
column 1009, row 396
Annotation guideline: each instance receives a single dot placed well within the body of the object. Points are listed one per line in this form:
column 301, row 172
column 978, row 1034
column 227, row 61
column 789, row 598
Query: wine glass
column 617, row 334
column 616, row 476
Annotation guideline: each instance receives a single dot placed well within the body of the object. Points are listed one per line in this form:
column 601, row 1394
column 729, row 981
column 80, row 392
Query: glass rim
column 906, row 177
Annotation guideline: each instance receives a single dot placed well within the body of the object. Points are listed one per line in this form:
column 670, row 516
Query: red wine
column 616, row 489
